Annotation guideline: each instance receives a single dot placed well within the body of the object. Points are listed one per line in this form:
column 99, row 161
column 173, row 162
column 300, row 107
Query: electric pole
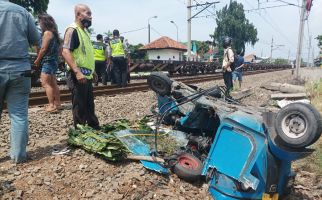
column 270, row 60
column 300, row 40
column 189, row 6
column 189, row 30
column 308, row 55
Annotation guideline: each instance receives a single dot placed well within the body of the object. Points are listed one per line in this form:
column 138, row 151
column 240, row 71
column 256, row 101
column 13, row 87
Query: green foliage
column 35, row 7
column 118, row 125
column 102, row 143
column 319, row 38
column 108, row 34
column 202, row 47
column 281, row 61
column 231, row 21
column 136, row 53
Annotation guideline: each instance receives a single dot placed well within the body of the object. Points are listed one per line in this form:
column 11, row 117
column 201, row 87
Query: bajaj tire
column 160, row 83
column 296, row 125
column 188, row 167
column 318, row 119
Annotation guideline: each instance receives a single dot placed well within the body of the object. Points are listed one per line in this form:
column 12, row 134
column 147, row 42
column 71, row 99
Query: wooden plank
column 289, row 96
column 284, row 87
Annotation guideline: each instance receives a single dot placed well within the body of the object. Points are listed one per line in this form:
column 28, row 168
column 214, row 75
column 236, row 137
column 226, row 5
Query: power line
column 275, row 28
column 264, row 8
column 205, row 8
column 156, row 31
column 288, row 3
column 134, row 30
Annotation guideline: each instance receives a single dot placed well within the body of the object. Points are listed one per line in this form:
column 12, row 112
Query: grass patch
column 314, row 162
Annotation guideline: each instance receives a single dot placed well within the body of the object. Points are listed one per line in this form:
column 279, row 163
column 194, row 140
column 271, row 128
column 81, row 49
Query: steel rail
column 40, row 98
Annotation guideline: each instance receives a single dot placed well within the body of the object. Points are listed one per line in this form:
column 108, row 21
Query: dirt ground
column 79, row 175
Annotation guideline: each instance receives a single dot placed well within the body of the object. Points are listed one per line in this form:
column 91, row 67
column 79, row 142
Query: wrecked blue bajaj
column 242, row 152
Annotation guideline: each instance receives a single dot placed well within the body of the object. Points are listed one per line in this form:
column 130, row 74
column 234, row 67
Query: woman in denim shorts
column 48, row 59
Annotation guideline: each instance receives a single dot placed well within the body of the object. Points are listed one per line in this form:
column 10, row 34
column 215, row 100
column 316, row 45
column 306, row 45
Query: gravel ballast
column 80, row 175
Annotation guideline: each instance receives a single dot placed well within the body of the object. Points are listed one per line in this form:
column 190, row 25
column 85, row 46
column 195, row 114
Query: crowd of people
column 87, row 63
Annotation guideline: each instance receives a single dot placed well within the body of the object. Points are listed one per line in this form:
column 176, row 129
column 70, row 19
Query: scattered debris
column 284, row 87
column 289, row 96
column 242, row 94
column 283, row 103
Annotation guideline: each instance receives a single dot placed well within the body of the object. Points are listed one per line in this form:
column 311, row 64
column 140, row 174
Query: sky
column 130, row 17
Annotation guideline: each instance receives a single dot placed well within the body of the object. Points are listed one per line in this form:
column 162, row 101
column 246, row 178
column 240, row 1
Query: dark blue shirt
column 240, row 61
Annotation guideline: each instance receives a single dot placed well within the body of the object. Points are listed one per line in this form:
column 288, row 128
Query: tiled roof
column 164, row 43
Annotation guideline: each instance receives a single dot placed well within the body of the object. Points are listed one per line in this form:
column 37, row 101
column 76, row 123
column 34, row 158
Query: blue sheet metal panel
column 231, row 151
column 164, row 103
column 224, row 188
column 239, row 141
column 288, row 154
column 248, row 121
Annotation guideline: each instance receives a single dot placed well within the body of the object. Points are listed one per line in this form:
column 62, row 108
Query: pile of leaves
column 100, row 142
column 104, row 142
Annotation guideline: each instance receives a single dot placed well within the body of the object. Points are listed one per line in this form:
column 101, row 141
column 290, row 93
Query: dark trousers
column 120, row 71
column 82, row 101
column 228, row 79
column 100, row 68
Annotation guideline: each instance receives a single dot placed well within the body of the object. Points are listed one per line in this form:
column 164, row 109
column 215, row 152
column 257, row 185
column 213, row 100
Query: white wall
column 165, row 54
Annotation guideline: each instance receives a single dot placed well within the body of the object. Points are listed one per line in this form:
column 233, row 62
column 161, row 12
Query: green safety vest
column 117, row 48
column 84, row 54
column 99, row 51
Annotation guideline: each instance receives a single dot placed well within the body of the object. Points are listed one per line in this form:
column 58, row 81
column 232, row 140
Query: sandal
column 60, row 152
column 51, row 109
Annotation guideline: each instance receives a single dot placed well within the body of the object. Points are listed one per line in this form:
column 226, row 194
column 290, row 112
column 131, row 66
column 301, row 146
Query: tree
column 202, row 47
column 33, row 6
column 319, row 38
column 136, row 53
column 231, row 21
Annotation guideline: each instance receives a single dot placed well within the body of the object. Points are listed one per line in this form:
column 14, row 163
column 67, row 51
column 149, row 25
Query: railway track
column 40, row 98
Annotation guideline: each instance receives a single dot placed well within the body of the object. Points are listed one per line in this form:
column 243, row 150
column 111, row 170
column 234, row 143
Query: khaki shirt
column 228, row 58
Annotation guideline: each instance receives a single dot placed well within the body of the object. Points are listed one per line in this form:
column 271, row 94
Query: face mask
column 86, row 23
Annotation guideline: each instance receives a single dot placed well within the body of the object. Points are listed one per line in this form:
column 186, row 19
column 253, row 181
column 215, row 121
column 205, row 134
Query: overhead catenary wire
column 198, row 4
column 156, row 31
column 135, row 30
column 275, row 28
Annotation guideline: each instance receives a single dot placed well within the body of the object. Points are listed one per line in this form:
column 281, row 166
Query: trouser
column 82, row 102
column 228, row 79
column 120, row 71
column 15, row 89
column 100, row 68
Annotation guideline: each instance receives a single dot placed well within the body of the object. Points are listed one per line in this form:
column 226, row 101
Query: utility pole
column 271, row 57
column 300, row 40
column 308, row 55
column 189, row 30
column 149, row 28
column 313, row 64
column 189, row 6
column 288, row 57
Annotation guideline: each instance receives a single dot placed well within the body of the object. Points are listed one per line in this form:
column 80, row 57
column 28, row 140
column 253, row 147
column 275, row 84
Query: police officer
column 100, row 54
column 117, row 53
column 79, row 55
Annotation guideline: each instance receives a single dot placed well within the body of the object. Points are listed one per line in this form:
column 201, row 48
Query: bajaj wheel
column 318, row 119
column 188, row 167
column 297, row 126
column 160, row 83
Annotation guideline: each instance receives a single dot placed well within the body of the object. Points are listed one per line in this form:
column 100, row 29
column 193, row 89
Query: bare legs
column 49, row 83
